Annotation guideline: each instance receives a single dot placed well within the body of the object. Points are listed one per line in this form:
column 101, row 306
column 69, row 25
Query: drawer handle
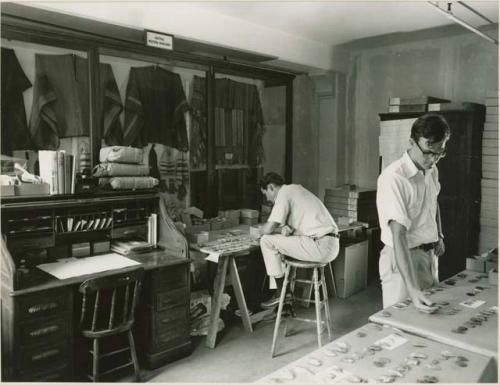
column 44, row 331
column 47, row 354
column 43, row 307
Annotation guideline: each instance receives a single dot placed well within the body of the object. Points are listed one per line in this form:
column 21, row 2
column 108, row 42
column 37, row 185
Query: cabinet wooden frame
column 34, row 25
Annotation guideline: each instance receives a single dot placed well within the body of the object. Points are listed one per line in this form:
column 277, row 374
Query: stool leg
column 293, row 271
column 317, row 304
column 95, row 360
column 332, row 276
column 326, row 305
column 280, row 309
column 133, row 354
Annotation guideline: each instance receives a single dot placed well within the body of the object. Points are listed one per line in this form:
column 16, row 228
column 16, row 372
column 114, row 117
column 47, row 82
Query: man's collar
column 409, row 168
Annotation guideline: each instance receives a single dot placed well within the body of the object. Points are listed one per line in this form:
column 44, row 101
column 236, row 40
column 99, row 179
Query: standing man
column 307, row 230
column 407, row 192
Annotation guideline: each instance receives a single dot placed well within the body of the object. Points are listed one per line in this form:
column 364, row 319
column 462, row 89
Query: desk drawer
column 166, row 319
column 172, row 298
column 171, row 277
column 43, row 304
column 176, row 334
column 43, row 332
column 44, row 357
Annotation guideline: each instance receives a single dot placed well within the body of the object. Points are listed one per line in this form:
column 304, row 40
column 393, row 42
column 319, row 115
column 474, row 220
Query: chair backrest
column 108, row 303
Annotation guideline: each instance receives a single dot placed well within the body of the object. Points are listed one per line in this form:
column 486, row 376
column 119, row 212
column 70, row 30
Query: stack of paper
column 488, row 235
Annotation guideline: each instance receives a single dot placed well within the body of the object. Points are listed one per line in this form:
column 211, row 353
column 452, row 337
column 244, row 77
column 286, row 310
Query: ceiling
column 338, row 22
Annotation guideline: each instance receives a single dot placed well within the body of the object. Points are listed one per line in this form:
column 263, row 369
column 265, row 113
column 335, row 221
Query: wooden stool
column 108, row 307
column 318, row 279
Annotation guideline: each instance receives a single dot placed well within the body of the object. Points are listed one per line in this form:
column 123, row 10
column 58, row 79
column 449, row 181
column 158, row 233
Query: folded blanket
column 120, row 169
column 129, row 182
column 120, row 154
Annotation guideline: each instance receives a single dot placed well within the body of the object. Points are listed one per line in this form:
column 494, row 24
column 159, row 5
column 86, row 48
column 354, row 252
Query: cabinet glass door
column 153, row 105
column 249, row 138
column 45, row 118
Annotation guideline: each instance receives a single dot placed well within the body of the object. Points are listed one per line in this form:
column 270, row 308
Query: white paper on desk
column 392, row 341
column 472, row 303
column 88, row 265
column 213, row 257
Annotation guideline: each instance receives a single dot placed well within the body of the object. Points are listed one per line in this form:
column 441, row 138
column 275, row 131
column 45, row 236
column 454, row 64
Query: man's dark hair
column 271, row 177
column 430, row 126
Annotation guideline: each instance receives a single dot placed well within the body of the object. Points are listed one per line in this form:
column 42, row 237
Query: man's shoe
column 275, row 300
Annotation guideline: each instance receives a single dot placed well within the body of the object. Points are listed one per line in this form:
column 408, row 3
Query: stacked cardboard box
column 488, row 235
column 415, row 103
column 356, row 203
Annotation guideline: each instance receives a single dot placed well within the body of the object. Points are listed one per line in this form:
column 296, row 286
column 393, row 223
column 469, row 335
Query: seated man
column 308, row 231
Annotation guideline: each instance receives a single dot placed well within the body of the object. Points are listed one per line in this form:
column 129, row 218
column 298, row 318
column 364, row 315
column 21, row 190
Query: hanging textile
column 198, row 134
column 60, row 101
column 15, row 133
column 154, row 108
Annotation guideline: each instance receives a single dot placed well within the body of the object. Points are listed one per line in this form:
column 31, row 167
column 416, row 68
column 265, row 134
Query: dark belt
column 426, row 246
column 334, row 235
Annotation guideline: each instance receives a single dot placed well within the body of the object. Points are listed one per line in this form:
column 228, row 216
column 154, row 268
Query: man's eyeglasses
column 429, row 153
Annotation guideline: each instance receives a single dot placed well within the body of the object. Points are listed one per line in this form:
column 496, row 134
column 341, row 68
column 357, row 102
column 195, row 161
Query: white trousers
column 300, row 247
column 424, row 263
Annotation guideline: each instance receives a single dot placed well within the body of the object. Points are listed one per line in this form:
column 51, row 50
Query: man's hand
column 286, row 231
column 439, row 249
column 421, row 303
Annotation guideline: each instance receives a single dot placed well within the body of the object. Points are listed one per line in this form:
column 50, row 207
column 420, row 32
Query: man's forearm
column 402, row 258
column 268, row 228
column 438, row 222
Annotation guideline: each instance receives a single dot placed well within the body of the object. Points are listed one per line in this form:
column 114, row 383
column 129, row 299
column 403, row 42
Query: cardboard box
column 350, row 268
column 32, row 189
column 249, row 213
column 475, row 263
column 216, row 225
column 249, row 221
column 201, row 237
column 7, row 191
column 197, row 228
column 493, row 277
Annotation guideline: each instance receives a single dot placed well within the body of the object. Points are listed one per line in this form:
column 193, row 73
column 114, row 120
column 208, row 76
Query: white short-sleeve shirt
column 303, row 211
column 408, row 196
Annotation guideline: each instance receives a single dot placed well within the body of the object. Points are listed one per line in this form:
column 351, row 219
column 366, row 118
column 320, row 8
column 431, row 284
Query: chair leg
column 280, row 309
column 95, row 360
column 317, row 304
column 326, row 305
column 133, row 354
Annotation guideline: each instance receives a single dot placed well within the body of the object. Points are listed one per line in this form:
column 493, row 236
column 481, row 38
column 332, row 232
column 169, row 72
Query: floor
column 245, row 357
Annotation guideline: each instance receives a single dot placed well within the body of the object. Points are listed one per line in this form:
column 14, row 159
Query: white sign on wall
column 159, row 40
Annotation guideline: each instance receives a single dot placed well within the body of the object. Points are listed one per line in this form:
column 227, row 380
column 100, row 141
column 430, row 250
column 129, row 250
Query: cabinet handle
column 42, row 307
column 44, row 331
column 42, row 356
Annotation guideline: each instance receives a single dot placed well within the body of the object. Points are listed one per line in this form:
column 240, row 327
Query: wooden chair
column 317, row 282
column 108, row 307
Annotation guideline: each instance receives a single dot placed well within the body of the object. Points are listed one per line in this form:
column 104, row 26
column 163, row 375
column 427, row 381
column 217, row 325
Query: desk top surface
column 353, row 358
column 438, row 326
column 37, row 280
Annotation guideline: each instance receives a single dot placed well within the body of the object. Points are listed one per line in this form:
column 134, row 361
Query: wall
column 460, row 67
column 185, row 20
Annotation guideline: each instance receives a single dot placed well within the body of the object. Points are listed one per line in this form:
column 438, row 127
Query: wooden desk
column 226, row 261
column 438, row 326
column 325, row 365
column 38, row 320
